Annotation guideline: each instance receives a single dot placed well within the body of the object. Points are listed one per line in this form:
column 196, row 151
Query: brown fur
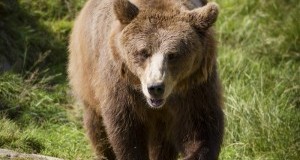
column 111, row 48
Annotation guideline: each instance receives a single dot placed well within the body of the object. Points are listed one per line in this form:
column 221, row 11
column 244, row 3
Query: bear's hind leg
column 97, row 135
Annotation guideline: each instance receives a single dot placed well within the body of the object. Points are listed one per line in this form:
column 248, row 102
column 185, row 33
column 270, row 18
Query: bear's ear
column 204, row 17
column 125, row 11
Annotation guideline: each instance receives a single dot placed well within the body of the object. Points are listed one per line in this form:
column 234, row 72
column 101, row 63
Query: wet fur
column 117, row 119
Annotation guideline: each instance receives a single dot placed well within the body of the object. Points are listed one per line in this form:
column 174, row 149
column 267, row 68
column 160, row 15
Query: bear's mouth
column 155, row 102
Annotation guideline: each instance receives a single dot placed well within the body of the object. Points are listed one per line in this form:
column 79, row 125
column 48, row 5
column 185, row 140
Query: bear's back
column 89, row 36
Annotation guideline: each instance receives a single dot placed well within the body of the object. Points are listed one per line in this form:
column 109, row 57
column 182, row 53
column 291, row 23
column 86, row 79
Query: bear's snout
column 156, row 90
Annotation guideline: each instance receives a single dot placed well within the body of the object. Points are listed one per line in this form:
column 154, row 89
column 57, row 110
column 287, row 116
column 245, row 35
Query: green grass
column 259, row 53
column 36, row 113
column 36, row 118
column 259, row 64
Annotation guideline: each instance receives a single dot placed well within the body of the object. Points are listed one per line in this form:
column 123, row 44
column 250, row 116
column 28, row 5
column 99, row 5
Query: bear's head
column 163, row 46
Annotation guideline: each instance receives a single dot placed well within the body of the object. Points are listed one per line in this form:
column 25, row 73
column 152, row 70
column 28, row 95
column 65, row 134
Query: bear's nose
column 156, row 90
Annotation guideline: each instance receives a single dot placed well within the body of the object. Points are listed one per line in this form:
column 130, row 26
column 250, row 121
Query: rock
column 9, row 154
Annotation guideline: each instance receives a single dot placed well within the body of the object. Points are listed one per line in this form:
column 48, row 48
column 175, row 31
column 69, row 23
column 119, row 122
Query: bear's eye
column 143, row 54
column 172, row 56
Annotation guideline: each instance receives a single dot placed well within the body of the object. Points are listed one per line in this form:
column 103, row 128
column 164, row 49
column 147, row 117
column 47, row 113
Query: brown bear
column 146, row 73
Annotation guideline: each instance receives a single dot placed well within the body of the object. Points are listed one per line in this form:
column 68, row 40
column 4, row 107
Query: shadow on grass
column 27, row 43
column 33, row 50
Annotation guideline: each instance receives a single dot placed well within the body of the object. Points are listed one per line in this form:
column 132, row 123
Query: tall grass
column 259, row 64
column 259, row 53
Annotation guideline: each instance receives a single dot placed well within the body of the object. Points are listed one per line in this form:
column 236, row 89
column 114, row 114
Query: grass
column 36, row 113
column 38, row 119
column 259, row 55
column 259, row 64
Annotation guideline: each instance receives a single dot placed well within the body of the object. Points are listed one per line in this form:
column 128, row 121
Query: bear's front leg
column 199, row 150
column 201, row 138
column 201, row 147
column 160, row 147
column 96, row 133
column 126, row 133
